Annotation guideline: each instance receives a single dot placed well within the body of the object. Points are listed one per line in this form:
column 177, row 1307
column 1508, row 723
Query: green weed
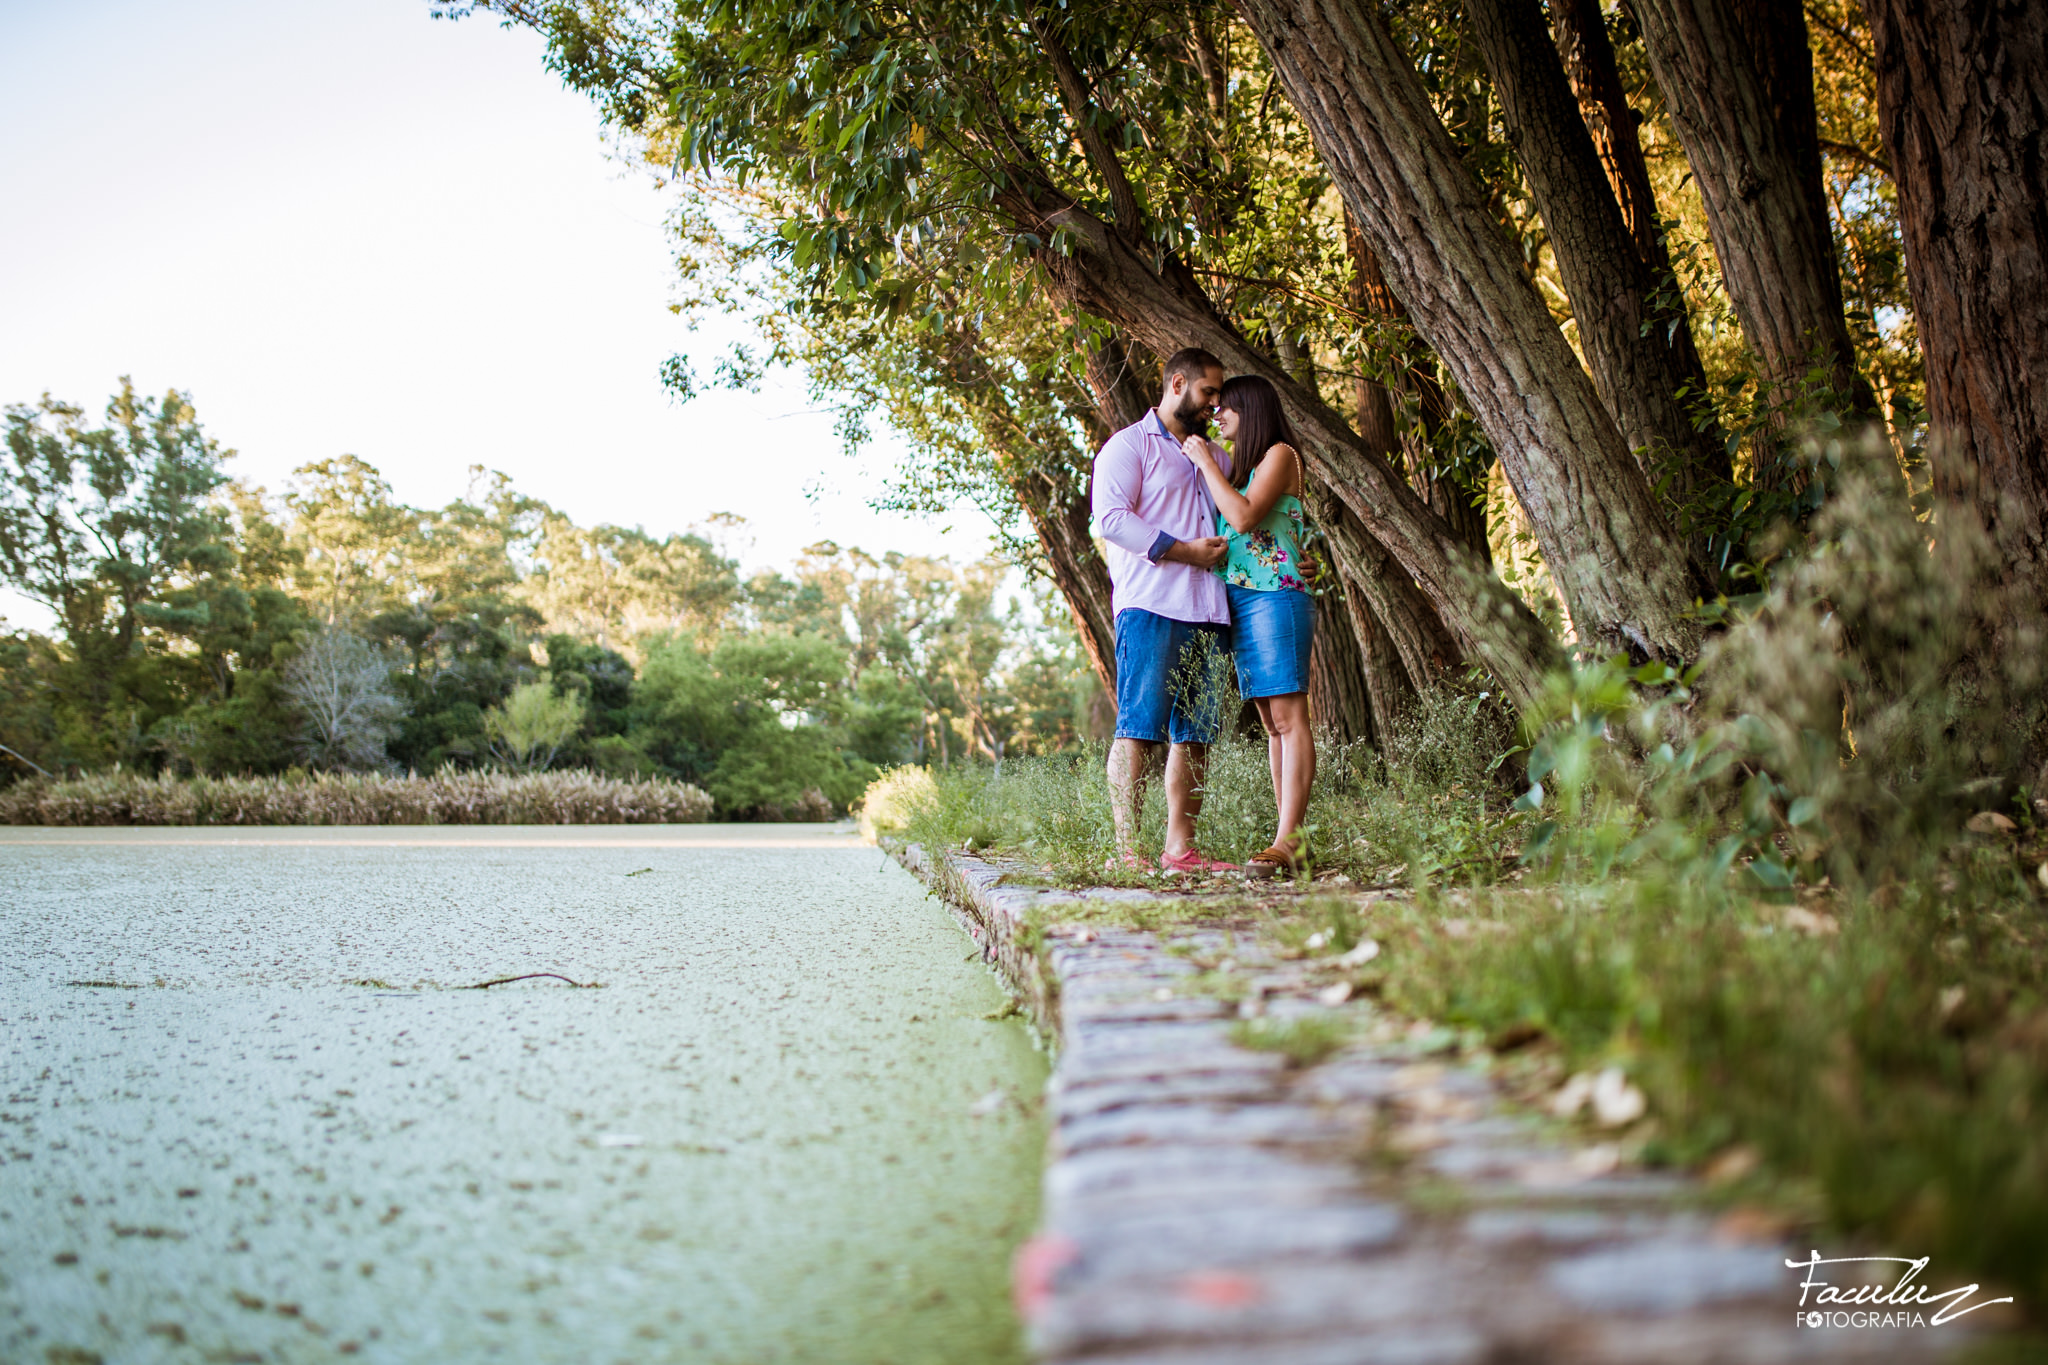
column 1304, row 1041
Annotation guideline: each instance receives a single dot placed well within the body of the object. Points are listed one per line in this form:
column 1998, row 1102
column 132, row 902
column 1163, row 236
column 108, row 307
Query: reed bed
column 448, row 797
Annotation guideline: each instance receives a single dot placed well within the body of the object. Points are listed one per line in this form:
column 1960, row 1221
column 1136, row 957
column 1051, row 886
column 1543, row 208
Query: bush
column 448, row 797
column 533, row 724
column 894, row 800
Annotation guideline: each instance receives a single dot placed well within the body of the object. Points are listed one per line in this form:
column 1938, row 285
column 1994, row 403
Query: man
column 1172, row 616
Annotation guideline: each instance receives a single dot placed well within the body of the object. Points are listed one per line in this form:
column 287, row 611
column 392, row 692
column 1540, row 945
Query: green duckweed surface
column 783, row 1131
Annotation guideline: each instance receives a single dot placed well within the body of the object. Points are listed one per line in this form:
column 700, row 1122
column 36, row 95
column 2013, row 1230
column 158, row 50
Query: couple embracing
column 1205, row 559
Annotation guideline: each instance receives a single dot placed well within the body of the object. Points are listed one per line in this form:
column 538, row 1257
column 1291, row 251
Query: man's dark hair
column 1190, row 363
column 1261, row 423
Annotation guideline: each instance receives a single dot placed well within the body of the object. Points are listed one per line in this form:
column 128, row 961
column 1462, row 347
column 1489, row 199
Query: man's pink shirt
column 1145, row 486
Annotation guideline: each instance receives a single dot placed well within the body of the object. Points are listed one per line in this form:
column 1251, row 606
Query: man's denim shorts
column 1271, row 633
column 1166, row 677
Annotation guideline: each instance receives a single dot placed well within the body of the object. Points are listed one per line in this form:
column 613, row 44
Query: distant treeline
column 205, row 627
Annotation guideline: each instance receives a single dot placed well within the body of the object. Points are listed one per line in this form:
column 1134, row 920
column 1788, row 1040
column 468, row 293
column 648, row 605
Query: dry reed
column 448, row 797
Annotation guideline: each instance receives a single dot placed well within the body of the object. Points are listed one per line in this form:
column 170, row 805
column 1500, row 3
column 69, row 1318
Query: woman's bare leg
column 1293, row 744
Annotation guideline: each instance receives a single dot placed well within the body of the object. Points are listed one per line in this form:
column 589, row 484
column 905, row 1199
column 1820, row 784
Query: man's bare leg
column 1187, row 767
column 1274, row 751
column 1129, row 760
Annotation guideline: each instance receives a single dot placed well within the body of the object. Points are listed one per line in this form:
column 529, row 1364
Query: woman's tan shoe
column 1275, row 860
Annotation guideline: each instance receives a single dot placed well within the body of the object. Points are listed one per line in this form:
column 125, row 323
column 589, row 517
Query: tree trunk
column 1738, row 81
column 1376, row 425
column 1627, row 577
column 1338, row 699
column 1060, row 517
column 1103, row 274
column 1125, row 380
column 1641, row 359
column 1963, row 101
column 1595, row 77
column 1404, row 647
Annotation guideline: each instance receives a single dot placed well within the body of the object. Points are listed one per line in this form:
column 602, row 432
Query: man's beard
column 1192, row 414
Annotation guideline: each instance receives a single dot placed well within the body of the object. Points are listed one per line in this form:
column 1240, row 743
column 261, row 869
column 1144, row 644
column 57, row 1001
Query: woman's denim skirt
column 1272, row 633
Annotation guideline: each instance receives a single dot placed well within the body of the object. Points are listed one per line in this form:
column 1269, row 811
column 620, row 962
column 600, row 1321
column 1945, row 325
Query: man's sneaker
column 1193, row 861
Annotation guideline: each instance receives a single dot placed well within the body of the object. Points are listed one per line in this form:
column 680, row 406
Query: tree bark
column 1963, row 104
column 1595, row 76
column 1628, row 579
column 1376, row 425
column 1738, row 81
column 1642, row 360
column 1404, row 647
column 1124, row 378
column 1338, row 699
column 1060, row 517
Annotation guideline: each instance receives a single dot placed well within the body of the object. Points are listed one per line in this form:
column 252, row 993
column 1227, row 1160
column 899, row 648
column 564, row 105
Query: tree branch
column 1074, row 94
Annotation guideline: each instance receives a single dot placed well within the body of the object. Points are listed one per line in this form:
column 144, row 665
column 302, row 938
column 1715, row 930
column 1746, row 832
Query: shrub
column 533, row 724
column 893, row 800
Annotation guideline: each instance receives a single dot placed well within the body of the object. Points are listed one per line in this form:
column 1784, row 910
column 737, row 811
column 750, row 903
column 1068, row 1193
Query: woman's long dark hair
column 1261, row 424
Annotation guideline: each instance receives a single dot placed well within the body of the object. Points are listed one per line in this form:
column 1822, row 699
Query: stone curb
column 1207, row 1205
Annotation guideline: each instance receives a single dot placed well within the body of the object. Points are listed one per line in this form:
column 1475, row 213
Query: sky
column 351, row 228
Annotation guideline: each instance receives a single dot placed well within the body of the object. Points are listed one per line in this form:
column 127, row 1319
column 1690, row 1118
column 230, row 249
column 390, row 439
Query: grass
column 448, row 797
column 1795, row 894
column 1371, row 818
column 1304, row 1041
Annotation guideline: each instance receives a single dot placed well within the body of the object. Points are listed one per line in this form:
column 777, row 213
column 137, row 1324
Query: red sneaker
column 1193, row 861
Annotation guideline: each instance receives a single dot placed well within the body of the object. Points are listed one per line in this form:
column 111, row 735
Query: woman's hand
column 1196, row 448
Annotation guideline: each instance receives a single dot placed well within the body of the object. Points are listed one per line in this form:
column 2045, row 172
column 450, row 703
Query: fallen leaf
column 1365, row 952
column 1615, row 1101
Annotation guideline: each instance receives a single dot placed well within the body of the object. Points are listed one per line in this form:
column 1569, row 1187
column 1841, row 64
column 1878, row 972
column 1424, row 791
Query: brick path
column 1207, row 1205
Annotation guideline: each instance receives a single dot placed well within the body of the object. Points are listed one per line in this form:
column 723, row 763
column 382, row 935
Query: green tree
column 532, row 725
column 96, row 522
column 755, row 719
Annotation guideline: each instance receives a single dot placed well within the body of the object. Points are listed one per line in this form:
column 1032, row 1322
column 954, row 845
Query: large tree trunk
column 1963, row 100
column 1642, row 360
column 1436, row 581
column 1627, row 577
column 1738, row 81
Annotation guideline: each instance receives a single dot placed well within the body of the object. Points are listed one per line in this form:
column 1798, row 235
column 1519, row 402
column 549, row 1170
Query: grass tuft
column 1305, row 1041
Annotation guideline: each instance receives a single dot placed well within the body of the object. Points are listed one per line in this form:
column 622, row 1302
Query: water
column 781, row 1132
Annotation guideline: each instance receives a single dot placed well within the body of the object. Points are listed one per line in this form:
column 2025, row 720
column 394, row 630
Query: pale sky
column 350, row 228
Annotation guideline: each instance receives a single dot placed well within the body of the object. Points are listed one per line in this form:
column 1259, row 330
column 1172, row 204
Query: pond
column 269, row 1126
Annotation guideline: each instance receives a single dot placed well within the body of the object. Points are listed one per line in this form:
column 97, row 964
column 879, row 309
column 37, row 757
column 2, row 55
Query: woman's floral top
column 1268, row 557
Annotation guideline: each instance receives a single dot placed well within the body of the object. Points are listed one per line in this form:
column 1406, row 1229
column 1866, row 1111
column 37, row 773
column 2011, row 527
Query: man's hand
column 1205, row 553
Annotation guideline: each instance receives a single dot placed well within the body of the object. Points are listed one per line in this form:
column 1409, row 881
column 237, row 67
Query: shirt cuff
column 1160, row 547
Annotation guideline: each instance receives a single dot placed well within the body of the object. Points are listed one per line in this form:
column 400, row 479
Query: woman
column 1272, row 617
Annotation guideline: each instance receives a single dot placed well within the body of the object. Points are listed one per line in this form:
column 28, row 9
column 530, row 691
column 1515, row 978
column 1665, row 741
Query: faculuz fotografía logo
column 1872, row 1303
